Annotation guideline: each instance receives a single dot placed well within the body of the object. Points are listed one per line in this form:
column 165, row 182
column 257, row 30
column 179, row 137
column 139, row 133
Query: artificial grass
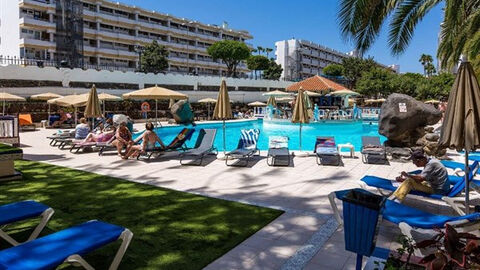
column 172, row 230
column 7, row 149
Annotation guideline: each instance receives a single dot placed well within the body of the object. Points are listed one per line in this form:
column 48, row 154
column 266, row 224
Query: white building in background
column 395, row 67
column 301, row 59
column 109, row 34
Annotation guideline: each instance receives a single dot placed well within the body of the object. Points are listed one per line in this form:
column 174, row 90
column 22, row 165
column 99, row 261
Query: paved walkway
column 306, row 236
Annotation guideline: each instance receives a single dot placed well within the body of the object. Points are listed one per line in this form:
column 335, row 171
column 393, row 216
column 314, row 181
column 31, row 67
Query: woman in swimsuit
column 149, row 139
column 123, row 138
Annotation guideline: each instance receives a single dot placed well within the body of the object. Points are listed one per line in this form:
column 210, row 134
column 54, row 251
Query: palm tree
column 430, row 69
column 268, row 50
column 426, row 60
column 361, row 21
column 260, row 50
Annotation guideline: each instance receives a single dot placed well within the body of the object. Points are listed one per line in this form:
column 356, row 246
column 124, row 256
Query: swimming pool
column 344, row 132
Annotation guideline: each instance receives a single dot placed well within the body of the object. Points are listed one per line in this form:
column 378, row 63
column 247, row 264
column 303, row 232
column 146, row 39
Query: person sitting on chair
column 123, row 137
column 149, row 139
column 63, row 118
column 432, row 180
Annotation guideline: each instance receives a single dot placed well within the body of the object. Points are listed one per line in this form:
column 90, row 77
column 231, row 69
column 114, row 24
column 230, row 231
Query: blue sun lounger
column 411, row 219
column 246, row 148
column 67, row 246
column 18, row 211
column 451, row 198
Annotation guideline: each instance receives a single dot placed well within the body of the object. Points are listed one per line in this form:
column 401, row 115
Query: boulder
column 403, row 119
column 182, row 112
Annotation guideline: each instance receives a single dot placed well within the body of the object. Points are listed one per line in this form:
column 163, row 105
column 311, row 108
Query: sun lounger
column 411, row 219
column 68, row 245
column 25, row 122
column 246, row 148
column 278, row 152
column 203, row 147
column 453, row 197
column 327, row 152
column 373, row 152
column 65, row 134
column 178, row 144
column 18, row 211
column 459, row 167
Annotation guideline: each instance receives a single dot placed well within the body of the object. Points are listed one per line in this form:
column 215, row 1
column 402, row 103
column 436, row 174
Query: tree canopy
column 333, row 70
column 257, row 62
column 231, row 52
column 273, row 72
column 154, row 58
column 353, row 67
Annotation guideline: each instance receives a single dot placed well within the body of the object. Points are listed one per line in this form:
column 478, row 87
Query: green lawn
column 172, row 230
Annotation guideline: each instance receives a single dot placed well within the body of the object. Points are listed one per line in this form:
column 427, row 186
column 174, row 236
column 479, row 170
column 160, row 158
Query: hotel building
column 302, row 59
column 102, row 34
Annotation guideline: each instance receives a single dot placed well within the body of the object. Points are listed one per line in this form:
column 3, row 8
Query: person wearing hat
column 432, row 180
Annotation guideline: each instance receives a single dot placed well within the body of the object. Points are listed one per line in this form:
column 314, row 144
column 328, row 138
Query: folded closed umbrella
column 300, row 113
column 223, row 109
column 461, row 125
column 271, row 101
column 93, row 104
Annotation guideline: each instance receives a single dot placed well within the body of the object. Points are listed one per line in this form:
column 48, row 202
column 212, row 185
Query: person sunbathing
column 149, row 139
column 103, row 136
column 82, row 130
column 63, row 118
column 123, row 137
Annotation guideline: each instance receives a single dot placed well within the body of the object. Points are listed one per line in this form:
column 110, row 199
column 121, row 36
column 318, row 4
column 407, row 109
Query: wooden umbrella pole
column 156, row 111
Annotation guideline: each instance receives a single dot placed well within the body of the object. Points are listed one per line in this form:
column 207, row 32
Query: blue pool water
column 343, row 132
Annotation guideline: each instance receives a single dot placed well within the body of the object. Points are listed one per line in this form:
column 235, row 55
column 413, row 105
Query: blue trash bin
column 361, row 214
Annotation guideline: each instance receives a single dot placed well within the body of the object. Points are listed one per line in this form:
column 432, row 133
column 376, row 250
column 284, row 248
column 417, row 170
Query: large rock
column 182, row 112
column 403, row 119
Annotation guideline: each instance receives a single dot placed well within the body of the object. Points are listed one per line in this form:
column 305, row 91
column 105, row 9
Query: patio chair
column 373, row 152
column 452, row 198
column 67, row 246
column 25, row 122
column 177, row 144
column 411, row 219
column 246, row 148
column 203, row 147
column 17, row 211
column 106, row 146
column 321, row 114
column 459, row 167
column 278, row 152
column 326, row 151
column 61, row 134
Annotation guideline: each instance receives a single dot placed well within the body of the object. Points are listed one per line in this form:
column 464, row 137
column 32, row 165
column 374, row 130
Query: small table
column 348, row 146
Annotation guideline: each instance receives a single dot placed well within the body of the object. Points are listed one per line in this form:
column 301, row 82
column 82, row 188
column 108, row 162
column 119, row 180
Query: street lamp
column 139, row 49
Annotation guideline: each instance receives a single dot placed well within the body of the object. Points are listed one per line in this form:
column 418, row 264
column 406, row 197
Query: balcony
column 31, row 21
column 29, row 42
column 39, row 3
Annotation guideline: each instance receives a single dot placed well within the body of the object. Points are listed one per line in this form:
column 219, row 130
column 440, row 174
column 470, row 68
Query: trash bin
column 361, row 214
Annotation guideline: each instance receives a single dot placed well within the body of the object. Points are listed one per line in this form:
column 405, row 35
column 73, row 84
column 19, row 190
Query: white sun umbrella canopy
column 155, row 93
column 257, row 104
column 207, row 101
column 46, row 97
column 74, row 101
column 104, row 97
column 4, row 97
column 277, row 93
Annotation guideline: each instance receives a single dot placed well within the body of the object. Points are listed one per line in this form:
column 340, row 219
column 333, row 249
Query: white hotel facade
column 301, row 59
column 111, row 34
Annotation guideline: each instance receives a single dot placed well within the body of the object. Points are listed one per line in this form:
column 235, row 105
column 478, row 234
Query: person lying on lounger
column 123, row 137
column 432, row 180
column 149, row 139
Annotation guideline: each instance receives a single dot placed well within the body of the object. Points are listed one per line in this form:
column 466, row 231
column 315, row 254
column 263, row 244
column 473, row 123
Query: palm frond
column 361, row 20
column 405, row 18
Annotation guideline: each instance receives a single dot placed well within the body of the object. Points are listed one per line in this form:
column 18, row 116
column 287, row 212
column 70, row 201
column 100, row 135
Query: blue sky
column 315, row 20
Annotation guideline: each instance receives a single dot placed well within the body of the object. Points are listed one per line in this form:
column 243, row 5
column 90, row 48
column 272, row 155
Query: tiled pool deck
column 305, row 237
